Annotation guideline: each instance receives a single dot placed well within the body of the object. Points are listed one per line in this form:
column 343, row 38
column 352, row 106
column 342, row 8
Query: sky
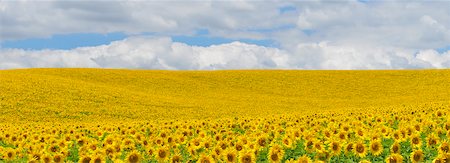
column 217, row 35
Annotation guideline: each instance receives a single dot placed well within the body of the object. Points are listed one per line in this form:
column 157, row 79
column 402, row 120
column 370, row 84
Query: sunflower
column 335, row 148
column 360, row 149
column 133, row 157
column 47, row 158
column 230, row 155
column 304, row 159
column 309, row 145
column 239, row 146
column 262, row 141
column 364, row 161
column 176, row 158
column 415, row 141
column 247, row 156
column 439, row 160
column 276, row 153
column 9, row 154
column 444, row 147
column 394, row 158
column 98, row 159
column 342, row 135
column 376, row 147
column 349, row 148
column 323, row 156
column 57, row 158
column 35, row 155
column 318, row 146
column 162, row 154
column 85, row 159
column 287, row 142
column 395, row 148
column 432, row 140
column 396, row 135
column 417, row 156
column 205, row 159
column 109, row 151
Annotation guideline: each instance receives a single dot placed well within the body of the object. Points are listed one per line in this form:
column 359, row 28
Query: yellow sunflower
column 162, row 154
column 335, row 148
column 417, row 156
column 276, row 153
column 304, row 159
column 230, row 155
column 395, row 148
column 394, row 158
column 247, row 156
column 134, row 157
column 360, row 149
column 376, row 148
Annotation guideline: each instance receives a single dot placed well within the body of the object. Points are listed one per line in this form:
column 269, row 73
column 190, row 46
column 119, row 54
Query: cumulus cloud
column 163, row 53
column 149, row 53
column 312, row 35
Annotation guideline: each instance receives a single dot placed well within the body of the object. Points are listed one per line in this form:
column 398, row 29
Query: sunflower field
column 101, row 115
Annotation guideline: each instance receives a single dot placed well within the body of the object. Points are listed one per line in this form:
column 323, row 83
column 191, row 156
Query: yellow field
column 91, row 115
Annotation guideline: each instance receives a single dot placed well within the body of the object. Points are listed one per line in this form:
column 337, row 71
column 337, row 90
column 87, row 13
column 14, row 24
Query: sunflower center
column 57, row 159
column 86, row 160
column 392, row 160
column 335, row 147
column 375, row 147
column 417, row 157
column 133, row 158
column 445, row 148
column 246, row 159
column 432, row 142
column 162, row 154
column 274, row 157
column 415, row 140
column 230, row 157
column 238, row 147
column 395, row 149
column 359, row 148
column 176, row 159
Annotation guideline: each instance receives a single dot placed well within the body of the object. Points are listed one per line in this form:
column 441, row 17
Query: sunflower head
column 205, row 159
column 360, row 149
column 432, row 140
column 133, row 157
column 230, row 155
column 276, row 153
column 85, row 159
column 162, row 154
column 304, row 159
column 176, row 158
column 417, row 156
column 444, row 147
column 376, row 148
column 335, row 148
column 395, row 148
column 247, row 156
column 394, row 158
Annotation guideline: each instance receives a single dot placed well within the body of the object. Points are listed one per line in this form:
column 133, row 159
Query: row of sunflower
column 409, row 134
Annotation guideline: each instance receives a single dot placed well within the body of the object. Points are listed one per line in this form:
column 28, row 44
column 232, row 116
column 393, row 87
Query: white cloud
column 320, row 34
column 149, row 53
column 163, row 53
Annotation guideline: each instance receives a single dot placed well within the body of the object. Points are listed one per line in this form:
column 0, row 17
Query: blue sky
column 225, row 35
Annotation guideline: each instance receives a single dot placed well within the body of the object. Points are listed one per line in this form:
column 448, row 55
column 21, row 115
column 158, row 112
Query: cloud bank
column 163, row 53
column 310, row 34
